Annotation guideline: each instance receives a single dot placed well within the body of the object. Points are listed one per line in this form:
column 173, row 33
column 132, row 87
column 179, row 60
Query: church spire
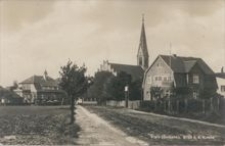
column 142, row 55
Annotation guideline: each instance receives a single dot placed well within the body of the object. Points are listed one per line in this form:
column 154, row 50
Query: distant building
column 8, row 97
column 220, row 78
column 136, row 71
column 172, row 72
column 40, row 88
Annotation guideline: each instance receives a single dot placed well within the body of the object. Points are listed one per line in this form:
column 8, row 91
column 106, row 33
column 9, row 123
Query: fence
column 131, row 104
column 179, row 106
column 176, row 106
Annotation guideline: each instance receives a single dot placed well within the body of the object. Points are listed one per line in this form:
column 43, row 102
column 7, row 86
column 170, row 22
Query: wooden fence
column 178, row 106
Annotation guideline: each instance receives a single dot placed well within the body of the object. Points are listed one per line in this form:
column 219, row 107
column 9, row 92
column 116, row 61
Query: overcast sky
column 38, row 34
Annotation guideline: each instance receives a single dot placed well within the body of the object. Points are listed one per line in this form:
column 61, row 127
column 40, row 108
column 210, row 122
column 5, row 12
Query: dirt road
column 96, row 131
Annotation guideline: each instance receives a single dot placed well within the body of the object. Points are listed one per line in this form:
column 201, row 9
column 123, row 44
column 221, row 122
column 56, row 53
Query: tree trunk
column 72, row 119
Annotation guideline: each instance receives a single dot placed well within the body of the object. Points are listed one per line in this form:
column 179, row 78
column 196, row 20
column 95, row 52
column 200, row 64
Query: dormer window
column 196, row 79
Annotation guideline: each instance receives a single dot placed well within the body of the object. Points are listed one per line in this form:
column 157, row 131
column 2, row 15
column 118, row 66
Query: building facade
column 40, row 89
column 174, row 72
column 220, row 78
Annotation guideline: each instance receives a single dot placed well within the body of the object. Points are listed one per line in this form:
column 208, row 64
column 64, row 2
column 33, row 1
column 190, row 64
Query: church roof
column 134, row 70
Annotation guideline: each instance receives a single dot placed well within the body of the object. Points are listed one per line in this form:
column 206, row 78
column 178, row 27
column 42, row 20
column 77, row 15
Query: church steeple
column 142, row 55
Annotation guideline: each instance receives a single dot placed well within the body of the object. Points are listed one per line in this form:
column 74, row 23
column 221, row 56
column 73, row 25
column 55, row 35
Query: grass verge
column 158, row 130
column 36, row 125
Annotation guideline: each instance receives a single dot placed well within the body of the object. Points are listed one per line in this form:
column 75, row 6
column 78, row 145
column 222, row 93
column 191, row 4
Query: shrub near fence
column 179, row 106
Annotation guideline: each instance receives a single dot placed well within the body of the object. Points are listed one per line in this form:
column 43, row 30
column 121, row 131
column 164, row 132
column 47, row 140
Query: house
column 8, row 97
column 183, row 74
column 40, row 89
column 220, row 78
column 136, row 71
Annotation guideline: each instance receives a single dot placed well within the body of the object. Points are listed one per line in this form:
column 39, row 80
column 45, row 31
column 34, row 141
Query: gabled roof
column 134, row 70
column 188, row 65
column 184, row 64
column 40, row 81
column 180, row 64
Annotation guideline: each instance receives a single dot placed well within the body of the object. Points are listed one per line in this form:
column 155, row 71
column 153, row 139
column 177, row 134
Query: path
column 97, row 132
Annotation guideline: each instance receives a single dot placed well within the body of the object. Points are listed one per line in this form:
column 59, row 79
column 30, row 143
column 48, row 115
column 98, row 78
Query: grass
column 152, row 128
column 36, row 125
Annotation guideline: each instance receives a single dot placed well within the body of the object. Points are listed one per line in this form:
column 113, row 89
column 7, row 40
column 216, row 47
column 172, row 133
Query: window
column 149, row 80
column 196, row 79
column 158, row 78
column 140, row 61
column 222, row 88
column 165, row 78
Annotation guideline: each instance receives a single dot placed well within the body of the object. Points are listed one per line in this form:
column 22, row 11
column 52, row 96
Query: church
column 136, row 71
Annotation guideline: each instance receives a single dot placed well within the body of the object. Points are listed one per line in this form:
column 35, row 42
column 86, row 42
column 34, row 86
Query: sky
column 38, row 35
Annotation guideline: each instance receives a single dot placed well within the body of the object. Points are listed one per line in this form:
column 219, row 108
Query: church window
column 140, row 61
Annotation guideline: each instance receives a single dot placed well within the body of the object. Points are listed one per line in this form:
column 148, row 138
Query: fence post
column 164, row 105
column 211, row 104
column 169, row 106
column 218, row 104
column 177, row 106
column 186, row 104
column 203, row 106
column 155, row 103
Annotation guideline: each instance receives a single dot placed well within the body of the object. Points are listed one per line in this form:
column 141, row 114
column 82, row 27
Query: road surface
column 97, row 132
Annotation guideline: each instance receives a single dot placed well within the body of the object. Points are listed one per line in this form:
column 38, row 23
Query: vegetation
column 106, row 86
column 114, row 88
column 211, row 110
column 99, row 81
column 74, row 82
column 36, row 125
column 145, row 126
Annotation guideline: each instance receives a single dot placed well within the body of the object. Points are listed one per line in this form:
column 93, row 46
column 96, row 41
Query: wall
column 131, row 104
column 107, row 67
column 158, row 69
column 221, row 82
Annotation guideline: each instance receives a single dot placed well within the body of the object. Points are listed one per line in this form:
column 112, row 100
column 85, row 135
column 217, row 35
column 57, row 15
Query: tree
column 135, row 90
column 74, row 82
column 96, row 89
column 114, row 87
